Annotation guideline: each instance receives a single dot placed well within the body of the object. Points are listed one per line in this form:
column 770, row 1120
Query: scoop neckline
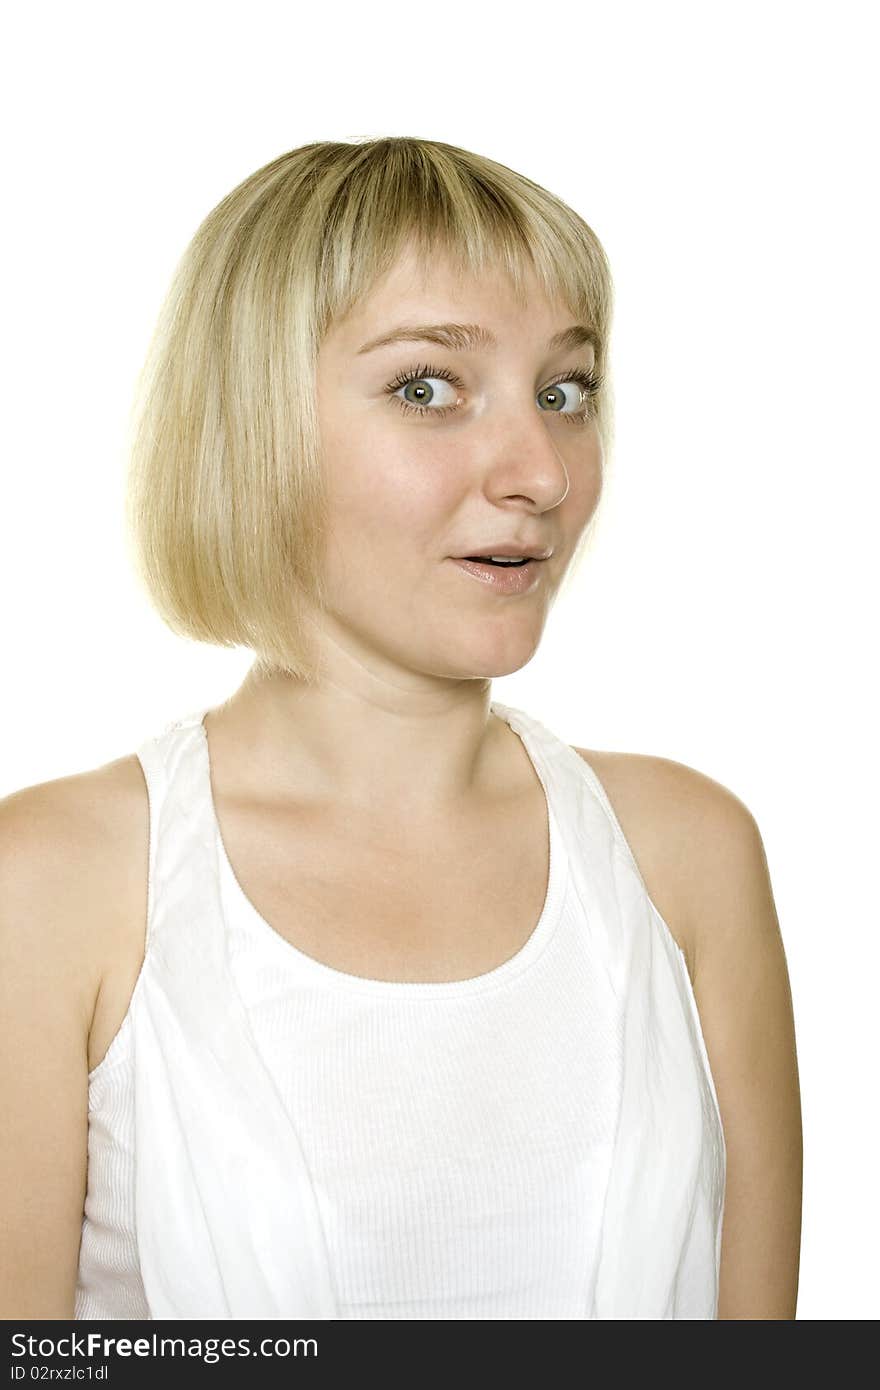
column 322, row 973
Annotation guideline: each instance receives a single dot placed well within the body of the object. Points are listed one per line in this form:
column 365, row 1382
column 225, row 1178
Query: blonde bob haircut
column 226, row 509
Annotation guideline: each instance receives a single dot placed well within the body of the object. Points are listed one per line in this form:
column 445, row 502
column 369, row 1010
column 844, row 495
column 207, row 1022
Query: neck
column 396, row 749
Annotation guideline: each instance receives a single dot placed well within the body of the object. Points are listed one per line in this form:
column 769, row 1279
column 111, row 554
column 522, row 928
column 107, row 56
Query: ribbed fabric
column 541, row 1141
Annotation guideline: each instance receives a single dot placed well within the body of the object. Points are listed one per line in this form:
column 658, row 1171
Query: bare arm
column 741, row 985
column 48, row 988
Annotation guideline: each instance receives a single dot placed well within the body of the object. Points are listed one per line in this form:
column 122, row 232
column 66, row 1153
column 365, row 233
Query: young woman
column 361, row 995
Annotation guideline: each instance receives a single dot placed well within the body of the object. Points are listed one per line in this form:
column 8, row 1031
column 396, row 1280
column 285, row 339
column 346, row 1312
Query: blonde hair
column 226, row 507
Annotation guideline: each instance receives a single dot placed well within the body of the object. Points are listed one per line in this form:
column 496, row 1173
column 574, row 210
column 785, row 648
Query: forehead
column 432, row 290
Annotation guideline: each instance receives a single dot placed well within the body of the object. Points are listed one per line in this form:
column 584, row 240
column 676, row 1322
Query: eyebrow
column 466, row 337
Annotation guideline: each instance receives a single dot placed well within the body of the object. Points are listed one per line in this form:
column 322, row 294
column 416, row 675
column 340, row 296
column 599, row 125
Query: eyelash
column 589, row 381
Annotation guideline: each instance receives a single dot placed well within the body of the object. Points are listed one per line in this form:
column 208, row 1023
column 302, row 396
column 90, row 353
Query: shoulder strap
column 161, row 757
column 601, row 865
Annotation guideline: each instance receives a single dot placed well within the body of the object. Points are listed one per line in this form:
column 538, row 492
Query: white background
column 726, row 157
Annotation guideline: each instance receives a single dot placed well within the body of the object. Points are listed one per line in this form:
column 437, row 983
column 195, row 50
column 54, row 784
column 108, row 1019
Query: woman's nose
column 526, row 460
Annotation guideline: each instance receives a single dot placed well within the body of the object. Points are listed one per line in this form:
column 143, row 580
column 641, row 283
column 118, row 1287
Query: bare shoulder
column 68, row 877
column 689, row 834
column 703, row 860
column 73, row 873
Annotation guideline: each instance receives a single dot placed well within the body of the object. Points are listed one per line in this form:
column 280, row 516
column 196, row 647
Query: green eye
column 587, row 384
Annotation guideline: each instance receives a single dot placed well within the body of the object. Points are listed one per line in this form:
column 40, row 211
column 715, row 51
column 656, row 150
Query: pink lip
column 520, row 579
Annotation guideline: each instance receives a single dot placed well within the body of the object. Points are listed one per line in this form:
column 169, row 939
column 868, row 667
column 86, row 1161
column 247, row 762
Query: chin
column 488, row 666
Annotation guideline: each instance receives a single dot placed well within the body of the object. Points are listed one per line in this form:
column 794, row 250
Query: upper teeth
column 507, row 559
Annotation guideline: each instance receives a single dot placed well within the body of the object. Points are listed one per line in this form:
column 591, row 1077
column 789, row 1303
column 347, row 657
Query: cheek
column 391, row 490
column 585, row 484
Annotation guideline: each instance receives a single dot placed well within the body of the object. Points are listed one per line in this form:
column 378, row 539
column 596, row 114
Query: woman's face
column 493, row 458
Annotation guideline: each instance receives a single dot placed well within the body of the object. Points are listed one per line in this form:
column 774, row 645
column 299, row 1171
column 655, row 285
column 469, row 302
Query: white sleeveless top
column 273, row 1138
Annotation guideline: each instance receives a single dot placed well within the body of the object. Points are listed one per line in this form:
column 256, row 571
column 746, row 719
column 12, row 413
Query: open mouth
column 501, row 563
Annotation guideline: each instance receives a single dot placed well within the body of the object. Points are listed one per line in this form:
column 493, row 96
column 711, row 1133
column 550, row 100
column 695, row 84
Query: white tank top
column 270, row 1137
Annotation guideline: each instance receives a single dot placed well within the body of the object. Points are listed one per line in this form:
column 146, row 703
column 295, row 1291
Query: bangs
column 481, row 217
